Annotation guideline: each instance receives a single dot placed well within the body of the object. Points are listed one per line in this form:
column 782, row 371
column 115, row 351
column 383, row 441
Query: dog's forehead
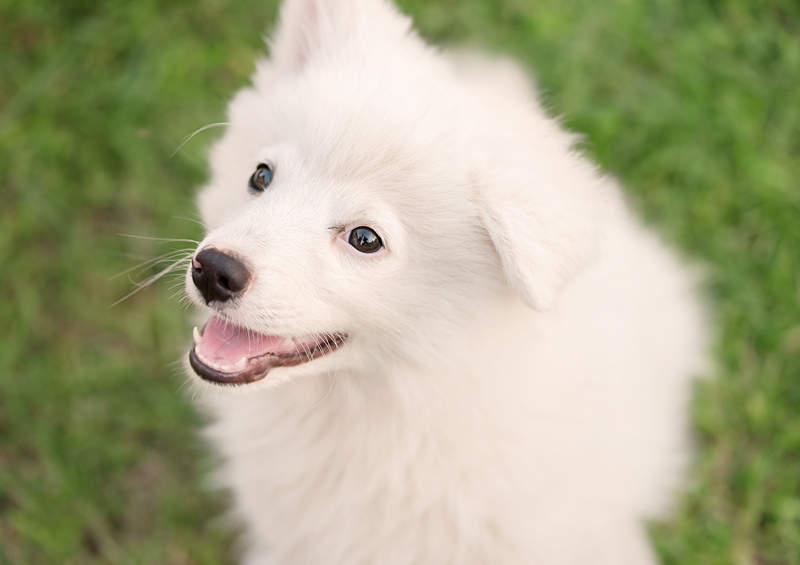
column 349, row 126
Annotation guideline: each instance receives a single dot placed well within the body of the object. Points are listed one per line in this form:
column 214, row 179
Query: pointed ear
column 308, row 28
column 543, row 230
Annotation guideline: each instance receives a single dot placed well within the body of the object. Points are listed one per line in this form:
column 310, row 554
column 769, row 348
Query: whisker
column 322, row 399
column 160, row 258
column 172, row 260
column 147, row 282
column 176, row 284
column 193, row 220
column 189, row 137
column 305, row 351
column 176, row 293
column 150, row 238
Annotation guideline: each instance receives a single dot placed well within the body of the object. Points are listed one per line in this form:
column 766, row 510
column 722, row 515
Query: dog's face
column 346, row 221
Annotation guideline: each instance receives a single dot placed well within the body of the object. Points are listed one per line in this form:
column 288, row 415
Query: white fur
column 515, row 382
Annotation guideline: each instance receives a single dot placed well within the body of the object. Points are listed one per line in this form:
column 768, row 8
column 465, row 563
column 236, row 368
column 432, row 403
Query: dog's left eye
column 261, row 178
column 365, row 240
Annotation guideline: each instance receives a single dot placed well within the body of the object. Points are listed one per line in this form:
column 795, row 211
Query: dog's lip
column 256, row 368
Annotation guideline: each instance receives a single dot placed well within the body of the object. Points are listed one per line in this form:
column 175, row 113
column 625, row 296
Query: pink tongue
column 224, row 344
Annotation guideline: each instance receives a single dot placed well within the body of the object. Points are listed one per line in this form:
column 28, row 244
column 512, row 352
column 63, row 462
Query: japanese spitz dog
column 437, row 334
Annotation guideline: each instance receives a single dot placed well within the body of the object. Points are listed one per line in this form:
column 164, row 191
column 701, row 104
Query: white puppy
column 452, row 341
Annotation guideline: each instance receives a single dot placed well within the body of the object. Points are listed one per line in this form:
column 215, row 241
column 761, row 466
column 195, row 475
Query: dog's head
column 370, row 198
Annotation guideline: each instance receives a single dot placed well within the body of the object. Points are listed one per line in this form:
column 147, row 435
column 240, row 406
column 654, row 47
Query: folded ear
column 543, row 226
column 308, row 28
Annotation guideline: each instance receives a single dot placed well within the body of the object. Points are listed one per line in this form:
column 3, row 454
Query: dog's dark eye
column 262, row 178
column 365, row 240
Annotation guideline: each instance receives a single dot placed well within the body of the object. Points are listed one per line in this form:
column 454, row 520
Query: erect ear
column 308, row 28
column 544, row 226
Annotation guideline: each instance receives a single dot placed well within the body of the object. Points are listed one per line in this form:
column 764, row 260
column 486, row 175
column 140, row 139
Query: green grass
column 694, row 104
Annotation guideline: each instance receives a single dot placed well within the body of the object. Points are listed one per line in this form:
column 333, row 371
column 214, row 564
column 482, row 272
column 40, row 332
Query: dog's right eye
column 261, row 179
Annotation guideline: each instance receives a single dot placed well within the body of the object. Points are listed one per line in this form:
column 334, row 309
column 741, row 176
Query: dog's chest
column 343, row 477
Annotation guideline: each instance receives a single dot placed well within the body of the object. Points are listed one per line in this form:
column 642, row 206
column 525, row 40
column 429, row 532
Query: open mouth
column 229, row 354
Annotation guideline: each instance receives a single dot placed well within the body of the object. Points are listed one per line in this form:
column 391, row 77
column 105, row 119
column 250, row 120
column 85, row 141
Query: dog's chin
column 228, row 355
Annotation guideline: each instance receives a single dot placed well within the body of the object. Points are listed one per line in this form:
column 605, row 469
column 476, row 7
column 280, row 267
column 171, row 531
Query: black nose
column 218, row 276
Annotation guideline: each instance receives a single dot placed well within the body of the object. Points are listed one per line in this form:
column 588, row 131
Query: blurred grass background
column 694, row 104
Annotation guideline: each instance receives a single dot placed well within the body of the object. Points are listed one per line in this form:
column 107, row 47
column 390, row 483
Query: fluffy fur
column 515, row 382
